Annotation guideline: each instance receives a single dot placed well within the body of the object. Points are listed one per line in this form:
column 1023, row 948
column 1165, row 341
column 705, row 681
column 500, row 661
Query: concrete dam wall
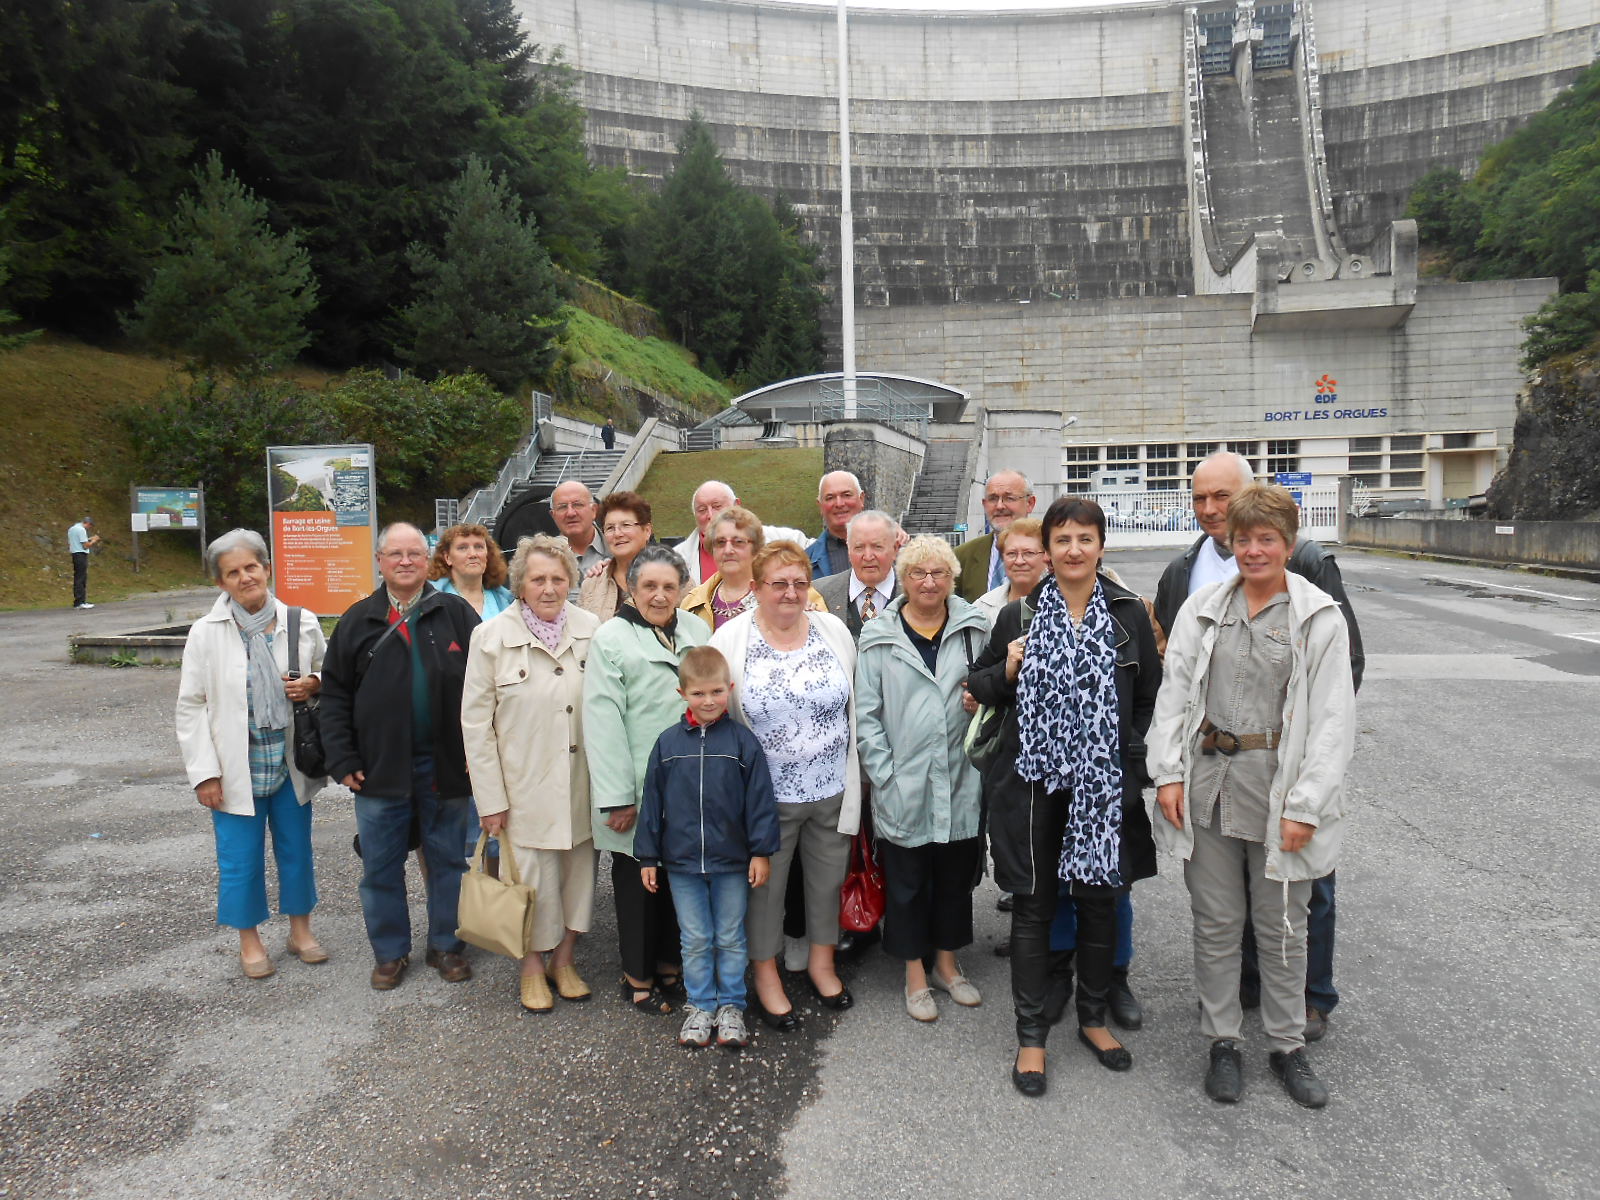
column 1009, row 156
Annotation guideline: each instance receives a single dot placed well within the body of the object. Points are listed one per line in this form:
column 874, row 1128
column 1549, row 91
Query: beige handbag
column 496, row 914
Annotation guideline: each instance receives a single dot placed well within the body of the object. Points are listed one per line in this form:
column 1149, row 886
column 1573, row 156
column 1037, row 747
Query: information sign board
column 324, row 517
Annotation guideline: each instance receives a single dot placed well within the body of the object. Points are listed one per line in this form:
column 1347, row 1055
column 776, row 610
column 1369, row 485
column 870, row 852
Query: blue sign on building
column 1291, row 479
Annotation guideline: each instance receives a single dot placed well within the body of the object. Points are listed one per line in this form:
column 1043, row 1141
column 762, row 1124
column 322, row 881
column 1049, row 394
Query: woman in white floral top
column 793, row 674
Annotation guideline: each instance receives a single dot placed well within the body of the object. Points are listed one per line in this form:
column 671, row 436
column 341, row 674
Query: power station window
column 1405, row 479
column 1408, row 441
column 1287, row 446
column 1122, row 454
column 1366, row 445
column 1366, row 462
column 1405, row 462
column 1168, row 450
column 1248, row 449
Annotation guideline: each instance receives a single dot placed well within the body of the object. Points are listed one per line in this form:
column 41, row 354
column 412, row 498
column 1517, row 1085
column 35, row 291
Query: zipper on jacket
column 702, row 799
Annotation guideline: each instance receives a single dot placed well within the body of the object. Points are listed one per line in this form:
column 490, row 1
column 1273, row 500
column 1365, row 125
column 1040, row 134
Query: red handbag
column 861, row 896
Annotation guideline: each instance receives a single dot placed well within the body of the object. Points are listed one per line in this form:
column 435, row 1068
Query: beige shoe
column 570, row 984
column 921, row 1006
column 959, row 987
column 311, row 955
column 257, row 968
column 535, row 993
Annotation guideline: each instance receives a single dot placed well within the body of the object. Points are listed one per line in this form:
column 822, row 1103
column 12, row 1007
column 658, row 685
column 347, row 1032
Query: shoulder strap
column 361, row 670
column 294, row 640
column 966, row 638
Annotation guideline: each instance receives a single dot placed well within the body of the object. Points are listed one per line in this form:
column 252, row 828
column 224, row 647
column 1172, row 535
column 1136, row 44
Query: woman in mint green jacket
column 630, row 695
column 926, row 796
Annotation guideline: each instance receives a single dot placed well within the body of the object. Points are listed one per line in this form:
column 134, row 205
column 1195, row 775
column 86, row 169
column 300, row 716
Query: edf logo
column 1327, row 390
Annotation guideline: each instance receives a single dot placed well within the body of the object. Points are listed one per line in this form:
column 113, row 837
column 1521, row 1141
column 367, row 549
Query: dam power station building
column 1133, row 234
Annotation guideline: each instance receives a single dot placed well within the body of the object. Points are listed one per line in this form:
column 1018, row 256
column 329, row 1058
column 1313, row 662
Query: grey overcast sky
column 969, row 5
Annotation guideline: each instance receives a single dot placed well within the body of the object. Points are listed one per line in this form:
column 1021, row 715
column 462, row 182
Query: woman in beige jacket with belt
column 522, row 723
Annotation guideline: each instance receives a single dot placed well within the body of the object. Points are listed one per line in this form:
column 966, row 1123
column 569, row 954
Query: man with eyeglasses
column 391, row 729
column 1007, row 496
column 864, row 591
column 710, row 498
column 572, row 505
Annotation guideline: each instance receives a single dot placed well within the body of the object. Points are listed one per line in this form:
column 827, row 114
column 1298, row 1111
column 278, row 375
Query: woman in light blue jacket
column 926, row 796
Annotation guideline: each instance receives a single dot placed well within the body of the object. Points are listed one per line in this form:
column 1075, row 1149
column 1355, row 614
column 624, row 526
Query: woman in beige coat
column 522, row 723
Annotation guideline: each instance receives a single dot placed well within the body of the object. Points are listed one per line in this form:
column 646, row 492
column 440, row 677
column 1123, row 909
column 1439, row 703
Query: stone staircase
column 939, row 498
column 590, row 467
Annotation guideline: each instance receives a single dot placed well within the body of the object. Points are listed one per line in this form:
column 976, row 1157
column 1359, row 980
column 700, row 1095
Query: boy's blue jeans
column 711, row 912
column 1064, row 930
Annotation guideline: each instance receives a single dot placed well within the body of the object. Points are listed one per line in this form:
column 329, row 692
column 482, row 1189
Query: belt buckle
column 1226, row 743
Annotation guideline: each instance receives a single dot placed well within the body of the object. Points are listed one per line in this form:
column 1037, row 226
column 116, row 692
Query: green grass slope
column 779, row 486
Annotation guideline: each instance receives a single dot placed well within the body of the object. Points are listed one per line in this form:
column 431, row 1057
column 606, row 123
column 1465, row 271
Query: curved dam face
column 1034, row 155
column 1137, row 234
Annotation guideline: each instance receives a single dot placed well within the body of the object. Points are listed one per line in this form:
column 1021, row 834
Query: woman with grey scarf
column 235, row 719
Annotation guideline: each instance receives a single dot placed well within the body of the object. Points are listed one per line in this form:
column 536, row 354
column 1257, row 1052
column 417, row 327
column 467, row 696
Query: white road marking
column 1508, row 587
column 1511, row 668
column 1584, row 637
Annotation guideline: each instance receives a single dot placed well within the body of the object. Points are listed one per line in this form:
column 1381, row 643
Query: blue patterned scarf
column 1069, row 737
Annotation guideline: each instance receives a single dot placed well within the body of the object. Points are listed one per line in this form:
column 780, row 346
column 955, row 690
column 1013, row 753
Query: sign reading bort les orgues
column 1325, row 407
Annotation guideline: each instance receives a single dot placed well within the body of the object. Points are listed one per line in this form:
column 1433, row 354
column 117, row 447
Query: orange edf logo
column 1327, row 384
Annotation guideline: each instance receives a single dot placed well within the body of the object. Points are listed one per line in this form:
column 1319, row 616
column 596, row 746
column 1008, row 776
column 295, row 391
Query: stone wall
column 885, row 460
column 1546, row 543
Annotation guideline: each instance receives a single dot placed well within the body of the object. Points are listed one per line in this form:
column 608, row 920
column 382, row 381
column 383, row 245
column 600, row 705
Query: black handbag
column 308, row 754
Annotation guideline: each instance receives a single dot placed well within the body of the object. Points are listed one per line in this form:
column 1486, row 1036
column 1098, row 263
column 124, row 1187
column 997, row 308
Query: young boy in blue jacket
column 709, row 816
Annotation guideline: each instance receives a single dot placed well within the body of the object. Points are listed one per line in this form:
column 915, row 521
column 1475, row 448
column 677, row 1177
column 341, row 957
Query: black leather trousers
column 1032, row 962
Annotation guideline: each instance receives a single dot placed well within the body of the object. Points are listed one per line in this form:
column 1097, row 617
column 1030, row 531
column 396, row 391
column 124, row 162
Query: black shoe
column 1126, row 1010
column 839, row 1001
column 853, row 945
column 1002, row 948
column 1299, row 1080
column 1225, row 1076
column 1006, row 903
column 1029, row 1083
column 782, row 1022
column 1250, row 992
column 1316, row 1023
column 1115, row 1059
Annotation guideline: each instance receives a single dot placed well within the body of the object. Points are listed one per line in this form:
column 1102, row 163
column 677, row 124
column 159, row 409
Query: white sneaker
column 730, row 1027
column 796, row 954
column 696, row 1031
column 959, row 987
column 85, row 606
column 921, row 1006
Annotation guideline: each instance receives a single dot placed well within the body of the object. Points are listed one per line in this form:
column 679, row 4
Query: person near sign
column 81, row 538
column 235, row 718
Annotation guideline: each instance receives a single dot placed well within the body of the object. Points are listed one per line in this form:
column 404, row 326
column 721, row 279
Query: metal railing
column 1166, row 518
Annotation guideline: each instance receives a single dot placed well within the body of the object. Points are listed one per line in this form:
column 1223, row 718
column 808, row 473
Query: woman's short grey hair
column 655, row 555
column 548, row 546
column 236, row 539
column 923, row 550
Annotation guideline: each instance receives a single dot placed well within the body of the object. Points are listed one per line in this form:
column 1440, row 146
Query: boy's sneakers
column 730, row 1027
column 696, row 1031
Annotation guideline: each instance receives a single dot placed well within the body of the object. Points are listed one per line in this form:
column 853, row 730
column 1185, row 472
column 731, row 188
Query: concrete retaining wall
column 1550, row 543
column 885, row 460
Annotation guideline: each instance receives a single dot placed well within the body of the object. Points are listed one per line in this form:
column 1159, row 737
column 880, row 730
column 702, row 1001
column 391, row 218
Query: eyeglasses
column 736, row 543
column 991, row 498
column 622, row 527
column 797, row 586
column 922, row 575
column 1022, row 555
column 404, row 555
column 571, row 506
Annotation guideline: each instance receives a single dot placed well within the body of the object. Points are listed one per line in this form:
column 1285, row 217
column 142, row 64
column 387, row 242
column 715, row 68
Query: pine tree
column 227, row 293
column 487, row 297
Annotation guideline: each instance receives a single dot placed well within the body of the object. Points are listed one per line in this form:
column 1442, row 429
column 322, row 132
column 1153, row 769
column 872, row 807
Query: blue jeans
column 242, row 862
column 1064, row 929
column 384, row 823
column 711, row 911
column 1320, row 991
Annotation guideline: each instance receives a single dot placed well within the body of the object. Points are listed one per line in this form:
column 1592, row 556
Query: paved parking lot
column 1461, row 1061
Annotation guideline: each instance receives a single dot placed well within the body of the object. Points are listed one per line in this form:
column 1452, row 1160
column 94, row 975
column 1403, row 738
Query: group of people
column 729, row 714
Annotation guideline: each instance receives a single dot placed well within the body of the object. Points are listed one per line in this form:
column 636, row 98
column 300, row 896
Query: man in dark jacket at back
column 1216, row 481
column 391, row 729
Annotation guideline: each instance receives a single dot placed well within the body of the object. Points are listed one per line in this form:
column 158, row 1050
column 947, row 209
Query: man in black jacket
column 391, row 729
column 1216, row 481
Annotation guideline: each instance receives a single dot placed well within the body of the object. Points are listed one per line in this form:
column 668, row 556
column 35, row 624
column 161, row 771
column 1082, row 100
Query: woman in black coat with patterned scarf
column 1074, row 670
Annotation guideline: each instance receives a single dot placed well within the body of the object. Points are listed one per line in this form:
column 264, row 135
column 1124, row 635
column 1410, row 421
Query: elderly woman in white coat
column 235, row 722
column 794, row 686
column 1253, row 731
column 522, row 725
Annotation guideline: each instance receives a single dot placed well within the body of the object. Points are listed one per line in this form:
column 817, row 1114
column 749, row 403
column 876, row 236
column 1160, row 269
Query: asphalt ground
column 138, row 1062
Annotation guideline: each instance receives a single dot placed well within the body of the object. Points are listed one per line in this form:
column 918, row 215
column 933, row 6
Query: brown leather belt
column 1222, row 741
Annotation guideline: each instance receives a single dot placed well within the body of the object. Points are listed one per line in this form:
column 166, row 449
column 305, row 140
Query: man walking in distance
column 572, row 506
column 391, row 728
column 710, row 498
column 1007, row 496
column 839, row 497
column 861, row 593
column 1216, row 481
column 81, row 538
